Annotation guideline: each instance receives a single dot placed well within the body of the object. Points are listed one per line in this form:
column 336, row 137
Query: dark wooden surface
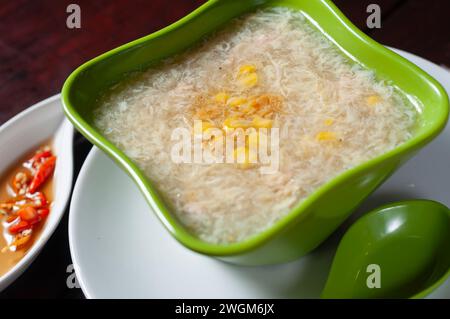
column 38, row 51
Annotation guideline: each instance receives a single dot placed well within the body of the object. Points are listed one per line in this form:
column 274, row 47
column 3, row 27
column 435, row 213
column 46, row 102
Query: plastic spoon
column 401, row 250
column 23, row 133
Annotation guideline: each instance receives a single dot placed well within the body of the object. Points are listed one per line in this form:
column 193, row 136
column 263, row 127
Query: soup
column 25, row 201
column 270, row 71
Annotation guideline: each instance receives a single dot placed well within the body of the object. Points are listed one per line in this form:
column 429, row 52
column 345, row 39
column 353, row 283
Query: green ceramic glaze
column 409, row 241
column 312, row 220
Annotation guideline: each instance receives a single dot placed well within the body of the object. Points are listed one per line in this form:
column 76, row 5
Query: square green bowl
column 314, row 218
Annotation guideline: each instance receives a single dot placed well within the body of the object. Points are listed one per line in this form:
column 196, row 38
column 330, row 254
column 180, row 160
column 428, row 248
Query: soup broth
column 270, row 69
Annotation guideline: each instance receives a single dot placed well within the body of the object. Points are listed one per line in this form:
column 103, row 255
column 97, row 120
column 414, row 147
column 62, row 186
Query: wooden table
column 38, row 52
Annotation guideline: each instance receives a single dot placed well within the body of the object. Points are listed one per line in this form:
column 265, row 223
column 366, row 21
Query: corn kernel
column 253, row 139
column 328, row 122
column 221, row 97
column 247, row 68
column 260, row 122
column 206, row 125
column 236, row 123
column 249, row 157
column 240, row 151
column 237, row 101
column 373, row 99
column 326, row 136
column 266, row 113
column 249, row 80
column 247, row 109
column 252, row 157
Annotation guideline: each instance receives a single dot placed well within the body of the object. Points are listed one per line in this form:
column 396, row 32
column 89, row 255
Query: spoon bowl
column 397, row 251
column 23, row 133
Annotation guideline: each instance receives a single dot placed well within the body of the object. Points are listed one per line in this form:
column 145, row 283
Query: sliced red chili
column 43, row 212
column 28, row 214
column 40, row 155
column 20, row 226
column 43, row 172
column 11, row 218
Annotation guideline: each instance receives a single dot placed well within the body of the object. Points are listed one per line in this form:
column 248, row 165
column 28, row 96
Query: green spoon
column 401, row 250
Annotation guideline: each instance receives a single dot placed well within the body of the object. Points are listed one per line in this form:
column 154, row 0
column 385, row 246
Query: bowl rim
column 176, row 229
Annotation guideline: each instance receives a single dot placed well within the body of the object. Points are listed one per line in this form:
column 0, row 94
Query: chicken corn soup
column 269, row 77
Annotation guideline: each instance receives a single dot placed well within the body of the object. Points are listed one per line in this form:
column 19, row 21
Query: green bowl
column 316, row 217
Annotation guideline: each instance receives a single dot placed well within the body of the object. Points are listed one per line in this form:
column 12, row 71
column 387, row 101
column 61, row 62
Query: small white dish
column 20, row 135
column 120, row 249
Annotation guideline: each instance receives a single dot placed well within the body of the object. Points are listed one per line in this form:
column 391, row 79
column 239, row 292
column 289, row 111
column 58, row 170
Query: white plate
column 21, row 134
column 121, row 250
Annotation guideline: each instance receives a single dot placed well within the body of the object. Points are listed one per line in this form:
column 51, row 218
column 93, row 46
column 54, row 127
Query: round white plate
column 120, row 249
